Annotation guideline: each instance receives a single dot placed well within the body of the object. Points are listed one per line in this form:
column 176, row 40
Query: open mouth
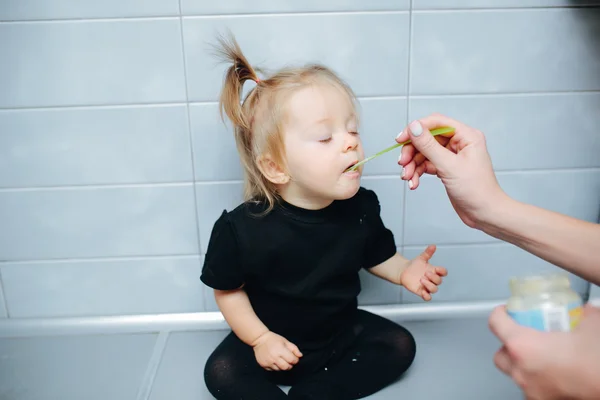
column 349, row 167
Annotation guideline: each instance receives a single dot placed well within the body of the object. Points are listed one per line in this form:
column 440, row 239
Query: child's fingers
column 290, row 357
column 425, row 295
column 294, row 349
column 282, row 364
column 429, row 286
column 428, row 252
column 433, row 277
column 441, row 271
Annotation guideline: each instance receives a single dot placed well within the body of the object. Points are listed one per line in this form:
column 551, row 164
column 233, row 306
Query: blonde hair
column 258, row 118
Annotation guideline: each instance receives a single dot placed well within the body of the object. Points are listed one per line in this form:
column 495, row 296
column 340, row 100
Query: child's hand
column 422, row 278
column 275, row 353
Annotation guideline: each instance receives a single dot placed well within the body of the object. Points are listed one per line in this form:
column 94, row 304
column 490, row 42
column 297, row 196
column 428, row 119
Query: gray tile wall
column 114, row 163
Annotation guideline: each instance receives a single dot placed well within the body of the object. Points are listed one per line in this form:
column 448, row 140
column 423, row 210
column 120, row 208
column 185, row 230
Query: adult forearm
column 239, row 314
column 559, row 239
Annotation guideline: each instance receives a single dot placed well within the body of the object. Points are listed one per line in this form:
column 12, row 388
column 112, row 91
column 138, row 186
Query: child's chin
column 349, row 191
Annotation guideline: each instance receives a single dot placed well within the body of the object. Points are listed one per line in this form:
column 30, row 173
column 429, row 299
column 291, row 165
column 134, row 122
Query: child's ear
column 272, row 170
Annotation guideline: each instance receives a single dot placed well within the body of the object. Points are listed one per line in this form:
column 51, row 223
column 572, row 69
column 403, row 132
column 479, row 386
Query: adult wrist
column 494, row 212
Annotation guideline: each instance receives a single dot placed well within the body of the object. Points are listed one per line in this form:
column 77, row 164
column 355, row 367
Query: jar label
column 552, row 319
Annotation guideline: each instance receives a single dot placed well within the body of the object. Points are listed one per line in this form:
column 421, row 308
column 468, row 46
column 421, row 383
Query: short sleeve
column 222, row 268
column 381, row 245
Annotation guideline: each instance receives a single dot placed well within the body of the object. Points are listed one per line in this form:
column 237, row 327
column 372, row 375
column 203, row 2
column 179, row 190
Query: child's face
column 321, row 141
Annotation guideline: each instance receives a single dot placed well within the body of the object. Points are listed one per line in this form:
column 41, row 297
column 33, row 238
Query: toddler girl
column 284, row 265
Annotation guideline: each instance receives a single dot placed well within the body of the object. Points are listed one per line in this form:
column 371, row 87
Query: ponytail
column 237, row 74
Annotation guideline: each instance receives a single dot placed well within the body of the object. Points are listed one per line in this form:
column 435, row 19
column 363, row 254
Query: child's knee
column 218, row 373
column 401, row 347
column 409, row 342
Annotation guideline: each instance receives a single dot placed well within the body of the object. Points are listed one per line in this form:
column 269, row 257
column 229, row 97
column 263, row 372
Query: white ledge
column 212, row 321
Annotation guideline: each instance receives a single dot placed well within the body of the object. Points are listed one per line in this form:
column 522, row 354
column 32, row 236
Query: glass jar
column 545, row 302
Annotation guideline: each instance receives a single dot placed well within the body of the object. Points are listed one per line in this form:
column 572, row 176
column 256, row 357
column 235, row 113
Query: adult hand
column 550, row 365
column 460, row 159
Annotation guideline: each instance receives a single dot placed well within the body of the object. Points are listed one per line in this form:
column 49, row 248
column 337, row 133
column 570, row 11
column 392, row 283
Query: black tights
column 348, row 369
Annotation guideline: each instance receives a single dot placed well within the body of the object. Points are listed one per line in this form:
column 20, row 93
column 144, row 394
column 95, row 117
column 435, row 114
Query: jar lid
column 534, row 284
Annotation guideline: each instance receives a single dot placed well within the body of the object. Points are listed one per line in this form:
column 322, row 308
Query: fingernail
column 400, row 134
column 403, row 172
column 410, row 184
column 415, row 128
column 399, row 158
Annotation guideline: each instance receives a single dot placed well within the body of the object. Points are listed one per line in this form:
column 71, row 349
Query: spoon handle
column 434, row 132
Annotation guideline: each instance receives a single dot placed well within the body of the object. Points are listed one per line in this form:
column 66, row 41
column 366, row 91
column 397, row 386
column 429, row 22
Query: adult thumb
column 501, row 324
column 426, row 144
column 591, row 310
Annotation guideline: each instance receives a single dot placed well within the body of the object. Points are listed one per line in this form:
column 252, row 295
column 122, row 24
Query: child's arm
column 239, row 314
column 273, row 352
column 417, row 275
column 391, row 269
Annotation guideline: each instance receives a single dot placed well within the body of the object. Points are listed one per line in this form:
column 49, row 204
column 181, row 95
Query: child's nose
column 351, row 142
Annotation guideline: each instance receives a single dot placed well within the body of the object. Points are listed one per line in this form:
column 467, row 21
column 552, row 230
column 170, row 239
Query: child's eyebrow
column 352, row 118
column 322, row 121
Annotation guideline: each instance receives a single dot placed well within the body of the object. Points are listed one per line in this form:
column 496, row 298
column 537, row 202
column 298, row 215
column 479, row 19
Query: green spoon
column 434, row 132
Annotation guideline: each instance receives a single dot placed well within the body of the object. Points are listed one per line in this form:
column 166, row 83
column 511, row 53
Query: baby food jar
column 545, row 302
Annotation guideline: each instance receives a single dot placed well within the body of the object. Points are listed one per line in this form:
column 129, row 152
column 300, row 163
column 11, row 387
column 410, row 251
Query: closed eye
column 329, row 138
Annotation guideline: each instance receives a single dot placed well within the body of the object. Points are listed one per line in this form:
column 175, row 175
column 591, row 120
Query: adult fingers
column 430, row 122
column 502, row 325
column 430, row 148
column 503, row 361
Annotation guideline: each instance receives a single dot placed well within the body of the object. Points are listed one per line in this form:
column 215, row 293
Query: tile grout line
column 400, row 288
column 404, row 183
column 99, row 259
column 499, row 172
column 191, row 142
column 360, row 97
column 70, row 107
column 275, row 14
column 289, row 13
column 145, row 389
column 502, row 9
column 263, row 14
column 3, row 291
column 531, row 93
column 402, row 248
column 74, row 20
column 485, row 243
column 93, row 186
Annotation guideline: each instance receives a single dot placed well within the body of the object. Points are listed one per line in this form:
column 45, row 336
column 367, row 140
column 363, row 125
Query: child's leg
column 382, row 352
column 231, row 372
